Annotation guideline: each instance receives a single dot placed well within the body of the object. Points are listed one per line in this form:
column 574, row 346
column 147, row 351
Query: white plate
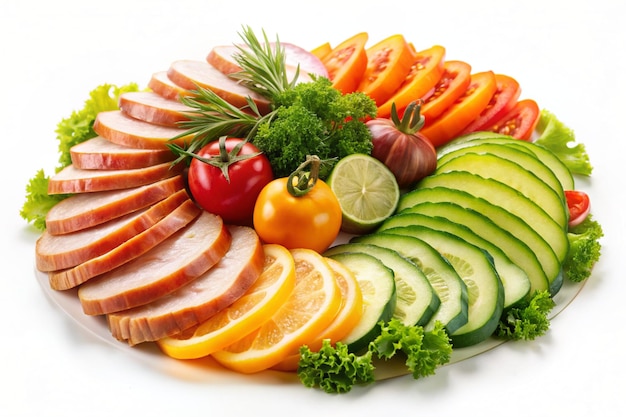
column 68, row 302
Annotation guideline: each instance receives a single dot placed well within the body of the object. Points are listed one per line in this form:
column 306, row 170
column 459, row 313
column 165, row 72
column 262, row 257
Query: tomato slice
column 465, row 109
column 503, row 100
column 388, row 63
column 346, row 63
column 520, row 122
column 453, row 83
column 322, row 50
column 425, row 72
column 579, row 205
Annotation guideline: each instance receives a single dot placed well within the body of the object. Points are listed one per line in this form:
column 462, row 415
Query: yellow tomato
column 310, row 221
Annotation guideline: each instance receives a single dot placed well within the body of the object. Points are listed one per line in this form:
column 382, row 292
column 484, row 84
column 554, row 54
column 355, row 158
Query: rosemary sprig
column 263, row 71
column 264, row 68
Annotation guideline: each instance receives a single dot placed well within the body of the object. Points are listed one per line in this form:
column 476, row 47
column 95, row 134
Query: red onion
column 400, row 146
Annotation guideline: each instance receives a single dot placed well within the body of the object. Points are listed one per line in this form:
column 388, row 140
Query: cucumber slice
column 516, row 176
column 379, row 297
column 475, row 267
column 416, row 301
column 546, row 156
column 516, row 250
column 448, row 285
column 520, row 155
column 514, row 279
column 506, row 221
column 509, row 199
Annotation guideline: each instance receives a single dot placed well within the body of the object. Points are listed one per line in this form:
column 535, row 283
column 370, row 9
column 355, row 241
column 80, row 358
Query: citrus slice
column 348, row 317
column 367, row 192
column 309, row 309
column 244, row 316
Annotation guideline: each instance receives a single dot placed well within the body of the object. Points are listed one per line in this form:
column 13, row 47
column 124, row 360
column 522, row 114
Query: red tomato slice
column 520, row 122
column 388, row 63
column 465, row 109
column 579, row 206
column 507, row 92
column 452, row 84
column 425, row 72
column 346, row 63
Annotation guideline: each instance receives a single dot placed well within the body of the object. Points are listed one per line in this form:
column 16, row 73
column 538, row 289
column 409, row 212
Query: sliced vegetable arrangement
column 316, row 212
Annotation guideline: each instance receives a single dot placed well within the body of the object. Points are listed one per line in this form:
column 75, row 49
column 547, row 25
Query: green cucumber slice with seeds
column 516, row 250
column 516, row 176
column 379, row 297
column 509, row 199
column 502, row 218
column 514, row 279
column 544, row 155
column 517, row 154
column 416, row 301
column 475, row 267
column 444, row 279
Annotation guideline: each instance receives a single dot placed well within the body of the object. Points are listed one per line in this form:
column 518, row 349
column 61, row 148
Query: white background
column 569, row 56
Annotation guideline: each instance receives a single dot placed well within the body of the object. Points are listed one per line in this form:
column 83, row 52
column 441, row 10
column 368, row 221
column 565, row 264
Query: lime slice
column 367, row 192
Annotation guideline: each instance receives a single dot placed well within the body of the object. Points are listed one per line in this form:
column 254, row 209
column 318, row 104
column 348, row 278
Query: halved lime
column 367, row 192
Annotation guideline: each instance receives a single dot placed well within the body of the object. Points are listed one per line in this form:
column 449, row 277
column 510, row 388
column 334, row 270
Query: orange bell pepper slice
column 426, row 71
column 388, row 64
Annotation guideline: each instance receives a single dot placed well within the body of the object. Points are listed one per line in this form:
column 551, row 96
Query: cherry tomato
column 425, row 72
column 579, row 206
column 520, row 122
column 231, row 197
column 452, row 84
column 301, row 216
column 465, row 109
column 388, row 63
column 503, row 100
column 346, row 63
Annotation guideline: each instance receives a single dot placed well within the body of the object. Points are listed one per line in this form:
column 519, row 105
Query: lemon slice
column 305, row 313
column 367, row 192
column 245, row 315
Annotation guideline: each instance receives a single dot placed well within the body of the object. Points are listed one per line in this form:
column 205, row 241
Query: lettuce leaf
column 72, row 130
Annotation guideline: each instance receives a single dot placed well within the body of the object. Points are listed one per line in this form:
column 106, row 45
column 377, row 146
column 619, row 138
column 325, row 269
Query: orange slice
column 348, row 316
column 245, row 315
column 311, row 307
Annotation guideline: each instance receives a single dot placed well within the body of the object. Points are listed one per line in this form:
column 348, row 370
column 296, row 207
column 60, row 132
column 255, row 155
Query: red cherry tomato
column 226, row 176
column 579, row 206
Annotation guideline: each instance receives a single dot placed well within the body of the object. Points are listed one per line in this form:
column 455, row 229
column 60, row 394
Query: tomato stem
column 224, row 160
column 304, row 178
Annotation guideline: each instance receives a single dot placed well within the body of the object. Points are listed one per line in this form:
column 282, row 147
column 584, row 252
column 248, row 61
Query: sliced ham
column 222, row 57
column 194, row 303
column 178, row 260
column 71, row 180
column 85, row 210
column 190, row 74
column 153, row 108
column 161, row 84
column 55, row 252
column 100, row 153
column 115, row 126
column 127, row 251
